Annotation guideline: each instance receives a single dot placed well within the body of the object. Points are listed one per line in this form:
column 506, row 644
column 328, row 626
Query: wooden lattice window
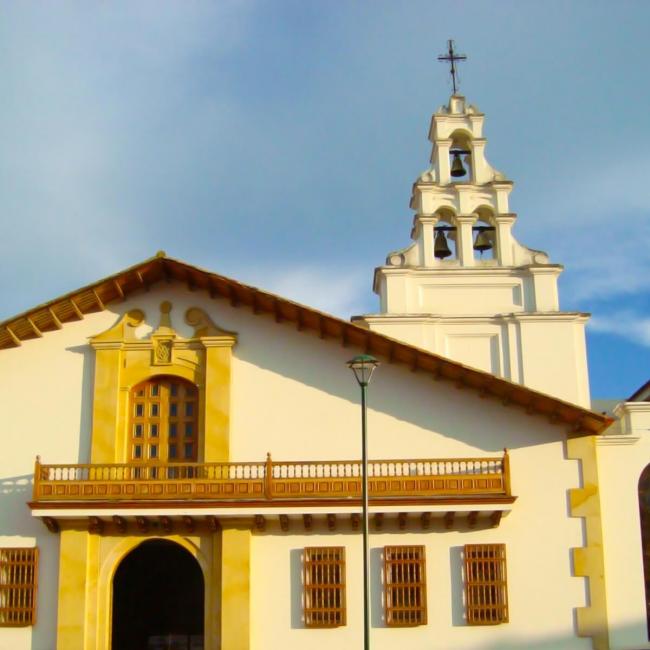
column 324, row 584
column 164, row 421
column 405, row 590
column 18, row 580
column 486, row 586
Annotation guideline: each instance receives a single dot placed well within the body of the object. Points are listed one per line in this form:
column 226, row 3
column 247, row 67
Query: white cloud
column 598, row 190
column 341, row 292
column 609, row 273
column 598, row 226
column 629, row 325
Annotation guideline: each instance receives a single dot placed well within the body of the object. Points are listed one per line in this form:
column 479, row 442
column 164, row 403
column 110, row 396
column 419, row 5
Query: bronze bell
column 441, row 247
column 482, row 241
column 457, row 167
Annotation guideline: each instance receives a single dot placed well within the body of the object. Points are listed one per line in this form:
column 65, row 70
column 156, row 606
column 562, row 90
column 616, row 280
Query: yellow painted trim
column 105, row 405
column 72, row 612
column 588, row 561
column 122, row 362
column 92, row 584
column 87, row 568
column 115, row 549
column 235, row 589
column 87, row 561
column 217, row 404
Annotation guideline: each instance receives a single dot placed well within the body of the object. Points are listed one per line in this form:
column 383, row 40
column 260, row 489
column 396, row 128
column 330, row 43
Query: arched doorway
column 158, row 599
column 644, row 510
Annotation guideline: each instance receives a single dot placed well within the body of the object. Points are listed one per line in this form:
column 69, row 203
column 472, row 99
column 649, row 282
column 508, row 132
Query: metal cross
column 452, row 57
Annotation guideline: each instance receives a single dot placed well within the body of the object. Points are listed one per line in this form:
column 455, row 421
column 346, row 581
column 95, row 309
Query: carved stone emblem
column 162, row 352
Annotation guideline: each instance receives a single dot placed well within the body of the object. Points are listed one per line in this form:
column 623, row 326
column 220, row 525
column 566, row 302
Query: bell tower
column 465, row 288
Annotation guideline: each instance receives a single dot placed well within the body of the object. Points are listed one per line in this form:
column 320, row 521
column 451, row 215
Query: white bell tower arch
column 465, row 288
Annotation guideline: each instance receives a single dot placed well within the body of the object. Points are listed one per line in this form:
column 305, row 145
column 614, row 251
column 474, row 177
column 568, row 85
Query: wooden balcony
column 271, row 482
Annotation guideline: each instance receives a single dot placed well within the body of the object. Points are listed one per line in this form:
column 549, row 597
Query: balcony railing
column 271, row 480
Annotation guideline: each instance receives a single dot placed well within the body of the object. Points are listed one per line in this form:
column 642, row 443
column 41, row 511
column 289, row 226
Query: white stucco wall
column 546, row 352
column 44, row 389
column 292, row 395
column 538, row 595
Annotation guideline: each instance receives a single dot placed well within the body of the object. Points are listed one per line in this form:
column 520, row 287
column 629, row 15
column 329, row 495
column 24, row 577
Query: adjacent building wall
column 623, row 454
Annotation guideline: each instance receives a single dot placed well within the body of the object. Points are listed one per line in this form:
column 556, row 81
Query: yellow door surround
column 88, row 564
column 87, row 560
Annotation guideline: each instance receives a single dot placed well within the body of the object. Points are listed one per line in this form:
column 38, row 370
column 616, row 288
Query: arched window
column 445, row 237
column 460, row 157
column 484, row 243
column 644, row 509
column 163, row 422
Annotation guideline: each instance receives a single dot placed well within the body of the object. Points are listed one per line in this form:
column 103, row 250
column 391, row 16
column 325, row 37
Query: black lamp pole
column 363, row 366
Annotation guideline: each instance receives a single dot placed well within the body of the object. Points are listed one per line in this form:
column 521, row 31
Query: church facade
column 181, row 465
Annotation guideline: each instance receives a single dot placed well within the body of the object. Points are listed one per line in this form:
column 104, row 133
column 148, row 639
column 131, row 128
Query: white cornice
column 493, row 319
column 631, row 407
column 445, row 270
column 616, row 440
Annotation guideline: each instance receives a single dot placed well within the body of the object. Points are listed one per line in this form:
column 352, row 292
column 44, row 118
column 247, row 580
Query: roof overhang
column 95, row 297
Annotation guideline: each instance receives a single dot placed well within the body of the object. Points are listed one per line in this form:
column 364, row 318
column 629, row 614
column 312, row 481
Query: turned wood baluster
column 506, row 472
column 268, row 478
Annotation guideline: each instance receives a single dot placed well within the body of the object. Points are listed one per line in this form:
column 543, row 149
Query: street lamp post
column 363, row 366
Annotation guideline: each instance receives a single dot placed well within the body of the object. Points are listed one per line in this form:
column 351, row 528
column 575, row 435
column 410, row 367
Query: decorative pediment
column 123, row 330
column 203, row 324
column 164, row 337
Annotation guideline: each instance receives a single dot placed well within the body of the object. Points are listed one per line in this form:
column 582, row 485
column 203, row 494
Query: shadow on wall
column 432, row 405
column 623, row 637
column 377, row 617
column 15, row 492
column 297, row 617
column 377, row 604
column 86, row 412
column 457, row 586
column 297, row 591
column 429, row 405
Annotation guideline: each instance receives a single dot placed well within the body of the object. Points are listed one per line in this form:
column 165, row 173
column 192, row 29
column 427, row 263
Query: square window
column 18, row 584
column 324, row 584
column 173, row 389
column 153, row 430
column 405, row 586
column 189, row 429
column 154, row 410
column 173, row 410
column 139, row 410
column 137, row 431
column 155, row 389
column 137, row 451
column 189, row 409
column 153, row 451
column 172, row 430
column 172, row 451
column 486, row 588
column 188, row 451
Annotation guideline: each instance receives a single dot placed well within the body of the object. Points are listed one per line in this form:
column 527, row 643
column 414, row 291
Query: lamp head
column 363, row 365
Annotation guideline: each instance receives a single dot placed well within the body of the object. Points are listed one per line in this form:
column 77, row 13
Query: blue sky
column 276, row 142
